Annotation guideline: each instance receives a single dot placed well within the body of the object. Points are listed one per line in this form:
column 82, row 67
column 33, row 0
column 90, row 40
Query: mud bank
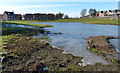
column 31, row 54
column 101, row 46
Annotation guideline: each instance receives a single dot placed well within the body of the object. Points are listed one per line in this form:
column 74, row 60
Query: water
column 115, row 44
column 73, row 38
column 22, row 26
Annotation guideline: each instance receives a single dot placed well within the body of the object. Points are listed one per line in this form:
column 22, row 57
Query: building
column 37, row 16
column 108, row 13
column 17, row 17
column 51, row 16
column 0, row 17
column 8, row 16
column 100, row 14
column 44, row 17
column 28, row 17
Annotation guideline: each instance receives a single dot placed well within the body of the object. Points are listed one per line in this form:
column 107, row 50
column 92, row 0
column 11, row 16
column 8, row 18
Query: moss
column 114, row 61
column 94, row 50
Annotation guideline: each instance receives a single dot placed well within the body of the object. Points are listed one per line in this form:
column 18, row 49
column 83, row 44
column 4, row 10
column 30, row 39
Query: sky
column 70, row 7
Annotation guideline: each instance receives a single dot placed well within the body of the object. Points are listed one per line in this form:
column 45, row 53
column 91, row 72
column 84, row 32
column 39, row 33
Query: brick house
column 51, row 16
column 8, row 16
column 17, row 17
column 28, row 17
column 44, row 16
column 37, row 16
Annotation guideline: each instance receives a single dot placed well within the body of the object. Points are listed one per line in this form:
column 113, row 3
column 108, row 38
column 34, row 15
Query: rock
column 82, row 64
column 7, row 58
column 48, row 32
column 60, row 33
column 41, row 67
column 47, row 43
column 62, row 65
column 68, row 61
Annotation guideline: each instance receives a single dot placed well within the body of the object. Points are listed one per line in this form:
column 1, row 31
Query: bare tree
column 83, row 12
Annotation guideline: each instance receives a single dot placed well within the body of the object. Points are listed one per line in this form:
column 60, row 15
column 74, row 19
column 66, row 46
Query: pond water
column 115, row 44
column 22, row 26
column 73, row 38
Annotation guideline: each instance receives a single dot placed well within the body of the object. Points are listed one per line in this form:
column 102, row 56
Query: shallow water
column 115, row 44
column 22, row 26
column 73, row 38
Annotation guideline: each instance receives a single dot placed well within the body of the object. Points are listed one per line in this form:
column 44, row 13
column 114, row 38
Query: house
column 8, row 16
column 100, row 13
column 116, row 13
column 38, row 16
column 17, row 17
column 108, row 13
column 28, row 17
column 51, row 16
column 0, row 17
column 44, row 16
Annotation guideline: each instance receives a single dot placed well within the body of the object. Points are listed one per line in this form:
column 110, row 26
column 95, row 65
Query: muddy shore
column 101, row 46
column 32, row 54
column 27, row 53
column 22, row 52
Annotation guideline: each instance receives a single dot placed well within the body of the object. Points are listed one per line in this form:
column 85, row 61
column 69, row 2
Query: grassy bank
column 95, row 20
column 91, row 21
column 23, row 31
column 26, row 23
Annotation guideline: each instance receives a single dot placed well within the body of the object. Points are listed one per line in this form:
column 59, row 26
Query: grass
column 10, row 32
column 94, row 20
column 91, row 21
column 23, row 31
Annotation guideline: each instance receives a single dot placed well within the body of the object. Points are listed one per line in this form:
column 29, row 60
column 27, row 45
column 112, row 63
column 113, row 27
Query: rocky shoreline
column 101, row 46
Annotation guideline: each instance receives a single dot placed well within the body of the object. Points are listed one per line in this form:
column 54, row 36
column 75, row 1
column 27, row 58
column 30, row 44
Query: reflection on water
column 22, row 26
column 73, row 38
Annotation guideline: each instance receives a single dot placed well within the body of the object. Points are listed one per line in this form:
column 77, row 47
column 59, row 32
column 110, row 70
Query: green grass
column 91, row 21
column 94, row 20
column 26, row 23
column 5, row 40
column 22, row 31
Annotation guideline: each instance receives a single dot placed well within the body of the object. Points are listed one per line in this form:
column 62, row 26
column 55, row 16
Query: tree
column 66, row 16
column 92, row 12
column 83, row 12
column 59, row 15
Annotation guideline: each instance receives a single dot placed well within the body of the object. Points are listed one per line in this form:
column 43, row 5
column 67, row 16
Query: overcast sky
column 70, row 7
